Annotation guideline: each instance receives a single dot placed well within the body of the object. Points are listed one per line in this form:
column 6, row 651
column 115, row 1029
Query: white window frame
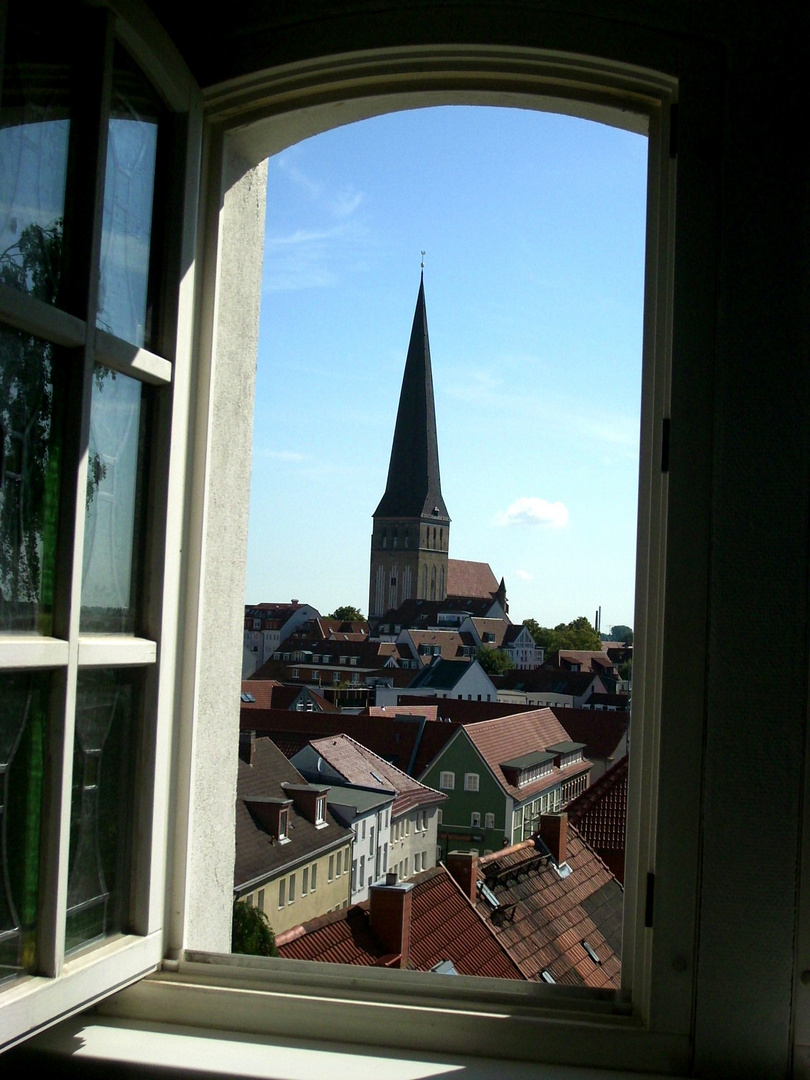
column 447, row 780
column 471, row 781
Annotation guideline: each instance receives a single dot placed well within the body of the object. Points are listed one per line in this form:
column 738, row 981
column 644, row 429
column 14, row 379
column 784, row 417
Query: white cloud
column 523, row 575
column 283, row 455
column 530, row 510
column 345, row 202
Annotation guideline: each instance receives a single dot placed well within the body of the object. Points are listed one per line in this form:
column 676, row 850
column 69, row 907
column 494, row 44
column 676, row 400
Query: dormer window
column 283, row 823
column 320, row 810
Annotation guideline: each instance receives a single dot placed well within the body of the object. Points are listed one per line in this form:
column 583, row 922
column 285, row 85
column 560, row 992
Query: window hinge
column 673, row 130
column 648, row 903
column 665, row 445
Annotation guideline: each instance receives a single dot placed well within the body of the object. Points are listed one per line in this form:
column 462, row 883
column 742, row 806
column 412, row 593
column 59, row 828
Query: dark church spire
column 414, row 488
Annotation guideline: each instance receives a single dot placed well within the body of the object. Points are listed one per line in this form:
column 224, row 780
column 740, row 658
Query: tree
column 494, row 661
column 251, row 932
column 578, row 634
column 621, row 633
column 31, row 401
column 347, row 613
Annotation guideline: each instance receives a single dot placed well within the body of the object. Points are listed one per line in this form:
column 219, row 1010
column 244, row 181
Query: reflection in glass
column 30, row 454
column 124, row 308
column 34, row 130
column 100, row 815
column 113, row 524
column 23, row 719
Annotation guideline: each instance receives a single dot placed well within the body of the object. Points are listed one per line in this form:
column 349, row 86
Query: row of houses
column 333, row 802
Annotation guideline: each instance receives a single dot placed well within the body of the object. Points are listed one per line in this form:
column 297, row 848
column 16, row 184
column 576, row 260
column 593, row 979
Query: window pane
column 30, row 441
column 114, row 504
column 124, row 301
column 34, row 129
column 101, row 805
column 23, row 724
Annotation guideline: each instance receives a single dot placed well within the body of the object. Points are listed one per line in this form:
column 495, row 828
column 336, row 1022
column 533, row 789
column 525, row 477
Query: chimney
column 463, row 865
column 554, row 834
column 389, row 912
column 247, row 742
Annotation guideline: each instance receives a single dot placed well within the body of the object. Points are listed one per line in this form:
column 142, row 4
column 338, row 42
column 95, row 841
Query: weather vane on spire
column 423, row 261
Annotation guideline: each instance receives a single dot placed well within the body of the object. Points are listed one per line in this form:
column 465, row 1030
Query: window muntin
column 23, row 740
column 471, row 781
column 101, row 805
column 34, row 138
column 101, row 691
column 32, row 395
column 115, row 505
column 132, row 140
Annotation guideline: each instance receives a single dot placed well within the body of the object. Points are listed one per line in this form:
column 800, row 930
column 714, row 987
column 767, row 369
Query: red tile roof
column 407, row 741
column 600, row 812
column 601, row 730
column 359, row 765
column 444, row 926
column 466, row 578
column 510, row 737
column 542, row 918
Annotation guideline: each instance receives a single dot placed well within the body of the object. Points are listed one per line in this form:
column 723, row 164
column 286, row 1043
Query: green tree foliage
column 251, row 932
column 347, row 613
column 31, row 399
column 29, row 454
column 578, row 634
column 494, row 661
column 621, row 633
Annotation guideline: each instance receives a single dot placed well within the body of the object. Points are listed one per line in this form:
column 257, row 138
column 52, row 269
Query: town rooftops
column 407, row 741
column 558, row 928
column 359, row 765
column 600, row 730
column 600, row 815
column 260, row 850
column 443, row 926
column 511, row 737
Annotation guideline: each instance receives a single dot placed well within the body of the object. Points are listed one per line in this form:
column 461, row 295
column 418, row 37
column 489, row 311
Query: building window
column 283, row 823
column 471, row 781
column 304, row 881
column 447, row 781
column 320, row 810
column 282, row 893
column 475, row 819
column 339, row 864
column 362, row 871
column 489, row 821
column 313, row 877
column 331, row 873
column 291, row 890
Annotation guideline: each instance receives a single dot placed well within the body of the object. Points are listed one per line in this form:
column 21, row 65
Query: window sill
column 403, row 1014
column 94, row 1044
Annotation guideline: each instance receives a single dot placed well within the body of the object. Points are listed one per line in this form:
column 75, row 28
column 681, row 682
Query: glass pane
column 124, row 302
column 34, row 129
column 101, row 806
column 30, row 445
column 114, row 504
column 23, row 723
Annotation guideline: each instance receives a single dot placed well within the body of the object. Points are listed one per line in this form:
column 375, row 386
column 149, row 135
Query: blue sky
column 533, row 228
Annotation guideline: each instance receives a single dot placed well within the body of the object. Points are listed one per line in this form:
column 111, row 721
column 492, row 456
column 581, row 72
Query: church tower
column 411, row 533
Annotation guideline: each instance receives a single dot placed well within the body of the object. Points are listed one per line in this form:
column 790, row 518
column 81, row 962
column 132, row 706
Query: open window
column 185, row 749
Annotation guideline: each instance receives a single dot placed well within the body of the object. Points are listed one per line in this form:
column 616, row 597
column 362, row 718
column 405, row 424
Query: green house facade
column 499, row 776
